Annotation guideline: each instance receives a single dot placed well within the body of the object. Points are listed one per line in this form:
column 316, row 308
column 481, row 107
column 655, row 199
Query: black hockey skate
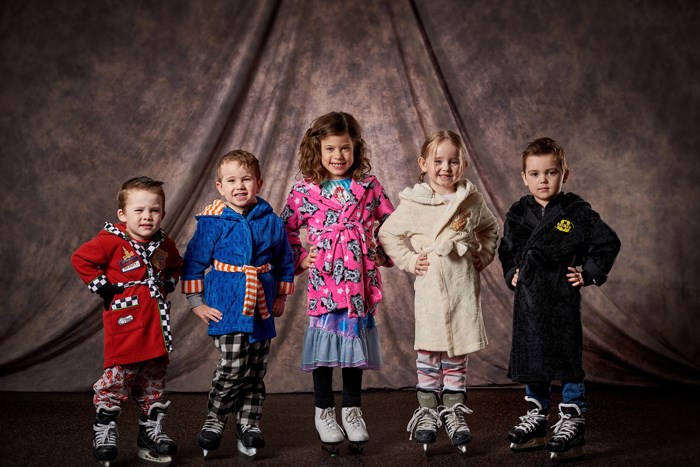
column 425, row 422
column 250, row 438
column 568, row 441
column 104, row 441
column 531, row 431
column 452, row 413
column 210, row 436
column 155, row 447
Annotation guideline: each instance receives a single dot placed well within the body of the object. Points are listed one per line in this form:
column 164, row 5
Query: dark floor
column 624, row 427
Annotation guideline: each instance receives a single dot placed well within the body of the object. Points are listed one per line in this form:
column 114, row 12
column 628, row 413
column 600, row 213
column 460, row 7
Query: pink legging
column 436, row 369
column 145, row 381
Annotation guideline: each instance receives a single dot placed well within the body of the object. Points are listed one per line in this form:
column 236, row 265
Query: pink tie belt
column 254, row 292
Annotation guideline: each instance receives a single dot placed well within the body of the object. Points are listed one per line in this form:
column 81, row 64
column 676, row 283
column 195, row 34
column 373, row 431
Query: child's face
column 337, row 155
column 143, row 213
column 444, row 168
column 543, row 177
column 238, row 186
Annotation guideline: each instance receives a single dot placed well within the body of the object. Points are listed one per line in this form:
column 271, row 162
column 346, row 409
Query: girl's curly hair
column 332, row 124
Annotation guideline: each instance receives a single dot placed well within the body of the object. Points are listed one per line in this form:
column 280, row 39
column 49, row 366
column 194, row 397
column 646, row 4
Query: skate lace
column 214, row 424
column 328, row 419
column 106, row 435
column 253, row 429
column 155, row 430
column 565, row 428
column 424, row 418
column 530, row 421
column 454, row 417
column 354, row 418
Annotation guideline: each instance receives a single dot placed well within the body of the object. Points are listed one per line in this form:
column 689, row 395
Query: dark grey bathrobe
column 547, row 335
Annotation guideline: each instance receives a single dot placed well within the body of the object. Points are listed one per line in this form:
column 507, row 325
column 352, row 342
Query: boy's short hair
column 139, row 184
column 245, row 158
column 544, row 146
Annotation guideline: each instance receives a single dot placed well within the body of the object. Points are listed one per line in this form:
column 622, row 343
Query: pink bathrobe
column 344, row 274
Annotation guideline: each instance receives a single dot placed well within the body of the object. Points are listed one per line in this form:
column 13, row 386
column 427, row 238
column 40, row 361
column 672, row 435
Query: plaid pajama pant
column 436, row 369
column 238, row 384
column 144, row 381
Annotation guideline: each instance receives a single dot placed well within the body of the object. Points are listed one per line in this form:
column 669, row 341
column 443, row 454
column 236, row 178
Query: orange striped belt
column 254, row 292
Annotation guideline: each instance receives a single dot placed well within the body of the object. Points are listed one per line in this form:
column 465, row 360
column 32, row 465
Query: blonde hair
column 139, row 184
column 543, row 147
column 433, row 141
column 332, row 124
column 244, row 158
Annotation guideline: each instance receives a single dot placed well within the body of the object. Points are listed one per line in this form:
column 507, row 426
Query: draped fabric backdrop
column 96, row 92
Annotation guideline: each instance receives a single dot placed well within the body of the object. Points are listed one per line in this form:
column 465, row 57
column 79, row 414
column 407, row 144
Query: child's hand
column 107, row 293
column 376, row 257
column 278, row 305
column 207, row 313
column 422, row 264
column 515, row 278
column 310, row 258
column 477, row 262
column 575, row 277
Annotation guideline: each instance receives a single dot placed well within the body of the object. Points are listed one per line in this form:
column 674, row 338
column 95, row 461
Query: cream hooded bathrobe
column 447, row 303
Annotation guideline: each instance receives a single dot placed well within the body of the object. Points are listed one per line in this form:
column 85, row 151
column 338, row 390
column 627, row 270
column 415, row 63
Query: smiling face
column 444, row 168
column 238, row 185
column 544, row 177
column 337, row 155
column 143, row 212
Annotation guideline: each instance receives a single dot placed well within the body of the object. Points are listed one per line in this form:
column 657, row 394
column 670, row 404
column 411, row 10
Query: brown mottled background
column 95, row 92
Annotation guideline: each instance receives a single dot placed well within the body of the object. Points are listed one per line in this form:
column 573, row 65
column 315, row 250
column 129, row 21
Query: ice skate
column 425, row 422
column 531, row 431
column 154, row 446
column 250, row 438
column 567, row 441
column 329, row 432
column 452, row 413
column 104, row 441
column 209, row 437
column 355, row 428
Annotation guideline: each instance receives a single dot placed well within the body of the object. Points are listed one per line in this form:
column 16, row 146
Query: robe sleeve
column 486, row 235
column 293, row 222
column 381, row 214
column 508, row 251
column 393, row 234
column 199, row 255
column 603, row 247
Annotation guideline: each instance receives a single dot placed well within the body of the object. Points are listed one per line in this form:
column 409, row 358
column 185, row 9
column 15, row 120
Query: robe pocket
column 125, row 316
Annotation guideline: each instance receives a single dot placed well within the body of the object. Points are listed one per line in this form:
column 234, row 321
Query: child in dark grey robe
column 553, row 244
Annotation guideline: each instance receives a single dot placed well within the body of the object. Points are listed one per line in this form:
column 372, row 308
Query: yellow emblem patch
column 565, row 226
column 127, row 254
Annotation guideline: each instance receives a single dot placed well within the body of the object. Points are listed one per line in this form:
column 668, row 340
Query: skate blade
column 533, row 443
column 332, row 449
column 573, row 453
column 245, row 451
column 152, row 458
column 356, row 446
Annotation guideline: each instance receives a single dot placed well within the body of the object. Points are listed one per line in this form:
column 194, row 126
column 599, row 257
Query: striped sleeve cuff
column 285, row 288
column 192, row 286
column 97, row 282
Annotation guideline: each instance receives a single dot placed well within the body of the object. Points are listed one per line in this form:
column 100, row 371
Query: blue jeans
column 572, row 392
